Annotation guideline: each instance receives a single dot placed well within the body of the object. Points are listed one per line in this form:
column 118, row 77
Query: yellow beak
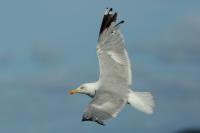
column 74, row 91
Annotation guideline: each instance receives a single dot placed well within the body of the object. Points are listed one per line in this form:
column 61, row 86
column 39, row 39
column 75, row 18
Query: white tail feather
column 142, row 101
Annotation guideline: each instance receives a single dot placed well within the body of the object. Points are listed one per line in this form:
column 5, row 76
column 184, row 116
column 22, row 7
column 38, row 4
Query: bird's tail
column 142, row 101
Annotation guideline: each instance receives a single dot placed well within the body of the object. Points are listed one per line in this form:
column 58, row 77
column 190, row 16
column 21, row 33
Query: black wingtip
column 108, row 18
column 86, row 119
column 100, row 122
column 121, row 22
column 92, row 119
column 108, row 11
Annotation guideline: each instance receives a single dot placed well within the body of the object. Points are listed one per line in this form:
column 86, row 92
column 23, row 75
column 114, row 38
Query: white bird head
column 86, row 88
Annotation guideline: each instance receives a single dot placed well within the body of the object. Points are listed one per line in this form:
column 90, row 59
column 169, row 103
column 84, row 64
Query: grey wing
column 114, row 63
column 103, row 107
column 115, row 72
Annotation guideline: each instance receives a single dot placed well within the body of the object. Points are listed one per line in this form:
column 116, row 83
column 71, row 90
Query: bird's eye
column 81, row 87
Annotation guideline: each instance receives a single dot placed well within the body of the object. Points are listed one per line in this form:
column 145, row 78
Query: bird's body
column 111, row 92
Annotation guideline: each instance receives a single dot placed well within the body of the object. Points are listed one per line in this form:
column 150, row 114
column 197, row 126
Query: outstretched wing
column 115, row 72
column 103, row 106
column 113, row 58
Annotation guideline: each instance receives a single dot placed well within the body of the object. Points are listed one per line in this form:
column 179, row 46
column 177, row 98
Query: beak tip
column 70, row 93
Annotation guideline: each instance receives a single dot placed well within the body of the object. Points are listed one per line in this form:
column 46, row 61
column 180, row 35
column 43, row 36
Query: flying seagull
column 112, row 91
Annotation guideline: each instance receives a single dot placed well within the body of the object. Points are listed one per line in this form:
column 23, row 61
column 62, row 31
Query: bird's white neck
column 91, row 88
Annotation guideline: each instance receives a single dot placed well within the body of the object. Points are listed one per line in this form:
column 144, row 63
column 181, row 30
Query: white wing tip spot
column 108, row 11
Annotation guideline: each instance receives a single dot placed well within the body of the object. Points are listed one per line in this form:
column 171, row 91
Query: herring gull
column 112, row 91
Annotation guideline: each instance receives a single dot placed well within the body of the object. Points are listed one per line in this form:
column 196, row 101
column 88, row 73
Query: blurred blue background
column 49, row 46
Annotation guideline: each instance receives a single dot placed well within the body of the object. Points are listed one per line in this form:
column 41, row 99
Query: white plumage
column 111, row 92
